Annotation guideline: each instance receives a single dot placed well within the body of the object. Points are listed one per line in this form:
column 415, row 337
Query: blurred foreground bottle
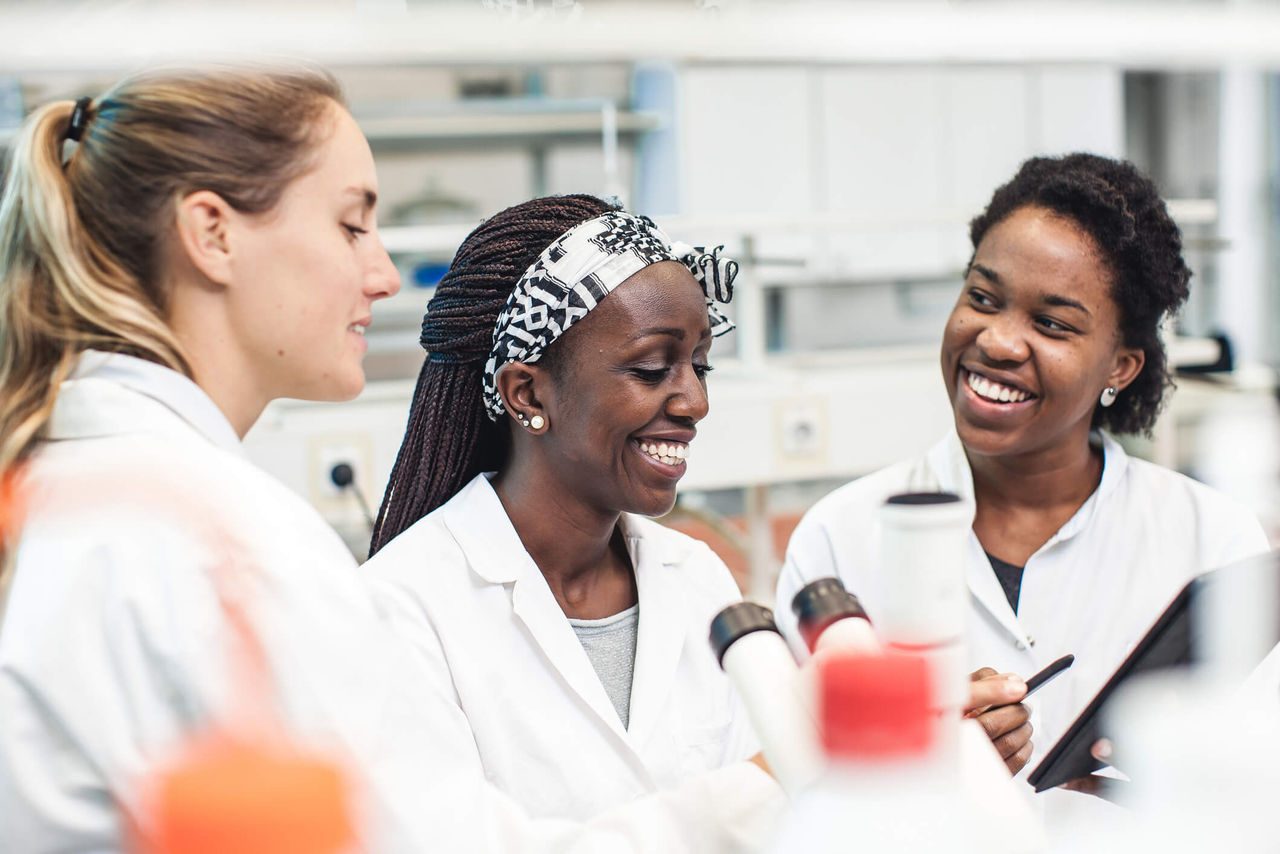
column 888, row 787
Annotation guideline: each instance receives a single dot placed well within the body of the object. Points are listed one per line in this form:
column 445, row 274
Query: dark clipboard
column 1173, row 641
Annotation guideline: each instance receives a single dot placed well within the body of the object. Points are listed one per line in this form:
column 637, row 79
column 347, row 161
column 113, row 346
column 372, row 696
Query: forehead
column 342, row 158
column 661, row 295
column 1037, row 251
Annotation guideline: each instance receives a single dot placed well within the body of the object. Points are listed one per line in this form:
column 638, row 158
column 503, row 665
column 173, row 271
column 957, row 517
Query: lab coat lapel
column 479, row 522
column 661, row 639
column 986, row 590
column 541, row 614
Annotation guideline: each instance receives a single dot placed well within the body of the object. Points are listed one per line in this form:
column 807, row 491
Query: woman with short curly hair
column 1054, row 341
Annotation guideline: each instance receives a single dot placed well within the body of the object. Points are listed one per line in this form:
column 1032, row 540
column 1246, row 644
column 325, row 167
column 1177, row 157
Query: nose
column 382, row 279
column 689, row 401
column 1004, row 339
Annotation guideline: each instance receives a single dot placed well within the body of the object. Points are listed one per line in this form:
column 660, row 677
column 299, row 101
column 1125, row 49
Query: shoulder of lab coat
column 111, row 651
column 1228, row 531
column 819, row 547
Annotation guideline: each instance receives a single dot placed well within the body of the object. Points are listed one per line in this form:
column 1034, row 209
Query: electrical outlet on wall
column 329, row 450
column 802, row 427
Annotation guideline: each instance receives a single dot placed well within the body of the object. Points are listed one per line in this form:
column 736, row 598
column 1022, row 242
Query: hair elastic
column 79, row 118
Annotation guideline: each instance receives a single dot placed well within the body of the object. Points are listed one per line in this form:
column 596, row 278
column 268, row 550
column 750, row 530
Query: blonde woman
column 207, row 244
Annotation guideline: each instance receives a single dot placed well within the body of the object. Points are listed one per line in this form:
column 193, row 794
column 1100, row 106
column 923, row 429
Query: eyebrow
column 987, row 273
column 1050, row 299
column 369, row 197
column 671, row 331
column 1066, row 302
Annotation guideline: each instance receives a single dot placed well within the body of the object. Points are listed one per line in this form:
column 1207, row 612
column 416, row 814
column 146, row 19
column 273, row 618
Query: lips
column 995, row 390
column 668, row 451
column 667, row 457
column 978, row 401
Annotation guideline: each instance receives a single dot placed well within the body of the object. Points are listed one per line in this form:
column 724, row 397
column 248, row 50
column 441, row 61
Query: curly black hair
column 1121, row 210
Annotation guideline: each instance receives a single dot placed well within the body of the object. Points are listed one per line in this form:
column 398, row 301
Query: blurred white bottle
column 923, row 540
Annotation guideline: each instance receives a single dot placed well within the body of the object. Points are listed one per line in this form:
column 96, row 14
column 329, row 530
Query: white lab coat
column 461, row 587
column 113, row 647
column 1092, row 590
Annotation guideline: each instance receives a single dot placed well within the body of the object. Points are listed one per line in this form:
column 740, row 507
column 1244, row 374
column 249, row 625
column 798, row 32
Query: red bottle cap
column 875, row 706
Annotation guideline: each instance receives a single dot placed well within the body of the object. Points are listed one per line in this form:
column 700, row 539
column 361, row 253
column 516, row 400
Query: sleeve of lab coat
column 733, row 808
column 1234, row 535
column 809, row 557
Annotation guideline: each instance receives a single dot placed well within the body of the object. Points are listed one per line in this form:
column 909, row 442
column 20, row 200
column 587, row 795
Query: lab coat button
column 1031, row 641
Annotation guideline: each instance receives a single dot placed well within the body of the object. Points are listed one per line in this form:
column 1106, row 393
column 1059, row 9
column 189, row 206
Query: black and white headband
column 582, row 267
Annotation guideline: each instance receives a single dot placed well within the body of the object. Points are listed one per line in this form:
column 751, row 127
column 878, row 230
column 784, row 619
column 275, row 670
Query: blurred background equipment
column 838, row 149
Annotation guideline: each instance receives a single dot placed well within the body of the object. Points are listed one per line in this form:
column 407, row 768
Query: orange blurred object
column 231, row 797
column 10, row 503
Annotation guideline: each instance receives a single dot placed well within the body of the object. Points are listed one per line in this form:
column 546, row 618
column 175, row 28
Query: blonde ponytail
column 82, row 239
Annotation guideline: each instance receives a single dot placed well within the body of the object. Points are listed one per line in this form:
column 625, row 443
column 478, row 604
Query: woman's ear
column 523, row 389
column 202, row 227
column 1128, row 364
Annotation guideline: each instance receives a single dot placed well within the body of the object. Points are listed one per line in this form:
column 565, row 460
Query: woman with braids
column 1053, row 344
column 206, row 245
column 557, row 407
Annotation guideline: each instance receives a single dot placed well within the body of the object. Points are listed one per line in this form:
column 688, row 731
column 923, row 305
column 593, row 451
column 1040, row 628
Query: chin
column 339, row 386
column 985, row 442
column 654, row 505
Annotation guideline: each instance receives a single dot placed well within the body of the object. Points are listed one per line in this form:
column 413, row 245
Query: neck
column 572, row 542
column 1065, row 473
column 222, row 370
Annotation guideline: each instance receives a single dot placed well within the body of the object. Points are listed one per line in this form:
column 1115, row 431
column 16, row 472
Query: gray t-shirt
column 611, row 645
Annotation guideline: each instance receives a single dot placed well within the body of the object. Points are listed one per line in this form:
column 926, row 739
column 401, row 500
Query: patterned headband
column 582, row 267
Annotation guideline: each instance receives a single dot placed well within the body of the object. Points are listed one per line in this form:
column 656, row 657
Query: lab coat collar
column 948, row 467
column 100, row 398
column 478, row 521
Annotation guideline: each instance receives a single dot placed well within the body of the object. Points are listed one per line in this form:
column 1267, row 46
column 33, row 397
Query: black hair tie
column 79, row 118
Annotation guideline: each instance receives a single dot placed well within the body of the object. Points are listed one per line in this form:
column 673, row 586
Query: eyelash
column 656, row 375
column 986, row 302
column 355, row 231
column 982, row 302
column 1061, row 327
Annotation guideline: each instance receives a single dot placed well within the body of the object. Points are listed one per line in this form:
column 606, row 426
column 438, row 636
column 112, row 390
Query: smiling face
column 308, row 271
column 1034, row 338
column 628, row 390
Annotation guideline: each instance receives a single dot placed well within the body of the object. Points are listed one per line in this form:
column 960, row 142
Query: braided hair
column 449, row 438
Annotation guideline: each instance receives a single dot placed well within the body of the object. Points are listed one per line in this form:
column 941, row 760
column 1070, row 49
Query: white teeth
column 996, row 392
column 667, row 452
column 356, row 328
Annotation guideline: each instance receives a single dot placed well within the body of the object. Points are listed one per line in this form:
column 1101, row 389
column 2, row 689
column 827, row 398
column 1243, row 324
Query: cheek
column 1073, row 374
column 960, row 329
